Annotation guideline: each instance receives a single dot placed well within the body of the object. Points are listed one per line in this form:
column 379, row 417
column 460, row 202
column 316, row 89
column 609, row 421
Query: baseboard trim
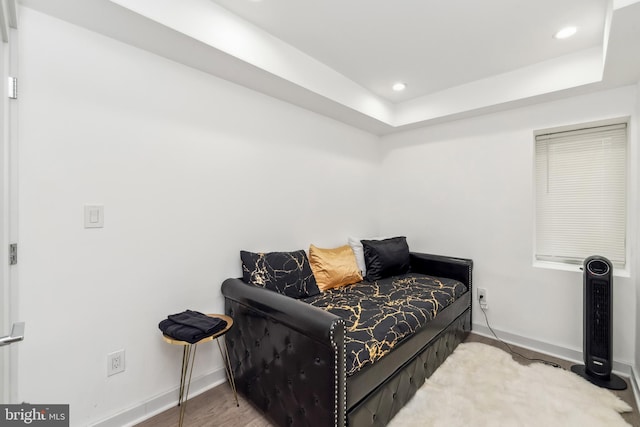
column 572, row 355
column 635, row 383
column 162, row 402
column 169, row 399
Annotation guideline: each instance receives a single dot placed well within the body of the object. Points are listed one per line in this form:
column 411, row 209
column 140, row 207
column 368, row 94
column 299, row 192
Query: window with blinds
column 581, row 183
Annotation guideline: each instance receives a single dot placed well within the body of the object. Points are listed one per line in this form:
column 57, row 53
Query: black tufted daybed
column 348, row 356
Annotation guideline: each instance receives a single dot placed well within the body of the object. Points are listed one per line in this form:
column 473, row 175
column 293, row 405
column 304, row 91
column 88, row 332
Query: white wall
column 466, row 189
column 637, row 359
column 190, row 170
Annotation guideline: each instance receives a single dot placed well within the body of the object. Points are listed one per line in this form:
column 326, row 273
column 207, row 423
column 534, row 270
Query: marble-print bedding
column 380, row 314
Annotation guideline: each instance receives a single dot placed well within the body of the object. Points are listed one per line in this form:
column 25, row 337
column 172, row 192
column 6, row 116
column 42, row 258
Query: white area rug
column 479, row 385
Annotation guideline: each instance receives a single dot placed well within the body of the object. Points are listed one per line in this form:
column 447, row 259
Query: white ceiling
column 430, row 45
column 459, row 58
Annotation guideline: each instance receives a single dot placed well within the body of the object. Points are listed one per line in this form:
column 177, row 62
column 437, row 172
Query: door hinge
column 13, row 254
column 13, row 88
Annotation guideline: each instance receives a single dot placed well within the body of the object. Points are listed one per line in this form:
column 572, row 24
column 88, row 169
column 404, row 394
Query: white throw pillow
column 358, row 250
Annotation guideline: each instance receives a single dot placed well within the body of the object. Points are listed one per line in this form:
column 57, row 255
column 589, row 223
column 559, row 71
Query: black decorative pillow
column 386, row 258
column 288, row 273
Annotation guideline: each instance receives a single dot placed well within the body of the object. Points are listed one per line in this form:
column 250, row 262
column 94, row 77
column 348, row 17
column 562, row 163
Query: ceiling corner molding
column 214, row 26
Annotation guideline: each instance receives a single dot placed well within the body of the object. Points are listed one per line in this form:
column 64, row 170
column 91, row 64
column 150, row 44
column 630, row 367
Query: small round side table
column 189, row 356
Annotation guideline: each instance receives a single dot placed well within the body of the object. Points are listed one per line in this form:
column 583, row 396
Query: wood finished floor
column 217, row 406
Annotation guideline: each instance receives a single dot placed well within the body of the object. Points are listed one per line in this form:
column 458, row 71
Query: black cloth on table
column 191, row 326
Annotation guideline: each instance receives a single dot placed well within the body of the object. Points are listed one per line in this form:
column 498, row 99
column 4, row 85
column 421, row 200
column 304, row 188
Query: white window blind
column 581, row 196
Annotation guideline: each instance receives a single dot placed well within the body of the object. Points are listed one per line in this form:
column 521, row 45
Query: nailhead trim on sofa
column 378, row 409
column 268, row 382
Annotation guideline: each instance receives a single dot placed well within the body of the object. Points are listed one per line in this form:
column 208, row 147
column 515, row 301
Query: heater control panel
column 597, row 267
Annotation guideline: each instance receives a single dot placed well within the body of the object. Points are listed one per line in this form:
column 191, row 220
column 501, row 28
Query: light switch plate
column 93, row 216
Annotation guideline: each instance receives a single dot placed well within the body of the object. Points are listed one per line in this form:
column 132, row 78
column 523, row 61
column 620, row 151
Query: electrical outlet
column 482, row 298
column 115, row 362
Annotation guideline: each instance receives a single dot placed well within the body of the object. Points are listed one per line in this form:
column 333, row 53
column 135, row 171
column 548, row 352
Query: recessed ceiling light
column 565, row 33
column 399, row 87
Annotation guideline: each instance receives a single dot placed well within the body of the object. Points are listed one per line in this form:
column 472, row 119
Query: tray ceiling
column 458, row 58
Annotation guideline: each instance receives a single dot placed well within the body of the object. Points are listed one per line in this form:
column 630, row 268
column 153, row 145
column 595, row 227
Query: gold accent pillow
column 334, row 268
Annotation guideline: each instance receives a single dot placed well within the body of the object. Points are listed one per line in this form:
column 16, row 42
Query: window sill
column 617, row 272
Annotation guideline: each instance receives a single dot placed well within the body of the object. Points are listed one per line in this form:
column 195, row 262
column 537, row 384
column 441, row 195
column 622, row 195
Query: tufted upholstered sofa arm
column 312, row 321
column 287, row 356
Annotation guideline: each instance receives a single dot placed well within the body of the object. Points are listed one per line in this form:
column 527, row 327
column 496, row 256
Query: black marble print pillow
column 288, row 273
